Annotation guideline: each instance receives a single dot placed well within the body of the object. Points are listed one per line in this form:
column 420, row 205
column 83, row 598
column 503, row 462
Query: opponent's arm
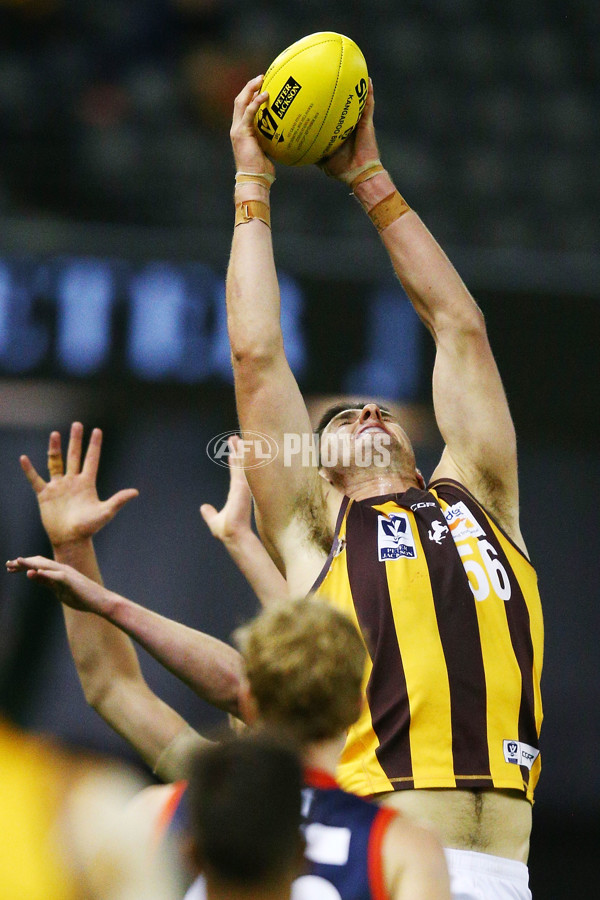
column 469, row 400
column 105, row 658
column 210, row 667
column 267, row 395
column 232, row 525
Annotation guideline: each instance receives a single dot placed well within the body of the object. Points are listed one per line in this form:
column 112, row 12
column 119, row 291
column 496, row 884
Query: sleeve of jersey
column 379, row 827
column 168, row 807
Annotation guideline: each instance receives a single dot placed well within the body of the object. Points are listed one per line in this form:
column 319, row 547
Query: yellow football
column 317, row 92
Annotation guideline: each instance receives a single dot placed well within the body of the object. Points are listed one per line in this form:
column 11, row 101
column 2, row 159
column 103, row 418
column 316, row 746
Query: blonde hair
column 304, row 663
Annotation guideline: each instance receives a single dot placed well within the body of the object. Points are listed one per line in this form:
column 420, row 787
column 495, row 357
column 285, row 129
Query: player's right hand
column 67, row 584
column 247, row 152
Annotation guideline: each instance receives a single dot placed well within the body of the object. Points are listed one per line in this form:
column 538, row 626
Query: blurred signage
column 84, row 317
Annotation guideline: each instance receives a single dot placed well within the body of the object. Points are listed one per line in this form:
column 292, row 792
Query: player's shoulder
column 407, row 844
column 156, row 805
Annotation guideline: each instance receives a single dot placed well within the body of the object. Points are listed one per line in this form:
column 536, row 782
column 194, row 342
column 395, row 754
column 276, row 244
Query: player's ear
column 420, row 479
column 191, row 853
column 324, row 475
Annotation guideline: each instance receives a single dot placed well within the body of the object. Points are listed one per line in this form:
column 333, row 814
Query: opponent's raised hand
column 69, row 504
column 247, row 152
column 235, row 517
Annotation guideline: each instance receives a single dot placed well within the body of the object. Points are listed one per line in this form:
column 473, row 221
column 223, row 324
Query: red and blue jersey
column 343, row 833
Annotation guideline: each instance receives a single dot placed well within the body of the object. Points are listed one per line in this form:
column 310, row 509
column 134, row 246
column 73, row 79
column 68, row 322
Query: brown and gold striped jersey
column 450, row 613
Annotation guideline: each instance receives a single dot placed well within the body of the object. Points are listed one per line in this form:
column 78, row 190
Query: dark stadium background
column 115, row 218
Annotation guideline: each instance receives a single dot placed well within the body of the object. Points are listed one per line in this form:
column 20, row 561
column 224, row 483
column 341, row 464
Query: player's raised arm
column 267, row 395
column 105, row 658
column 469, row 400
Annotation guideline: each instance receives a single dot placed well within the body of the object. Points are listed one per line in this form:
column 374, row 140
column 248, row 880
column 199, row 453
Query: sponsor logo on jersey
column 438, row 531
column 424, row 504
column 395, row 538
column 285, row 97
column 519, row 753
column 462, row 523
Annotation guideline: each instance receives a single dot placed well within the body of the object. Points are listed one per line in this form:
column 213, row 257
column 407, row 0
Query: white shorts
column 480, row 876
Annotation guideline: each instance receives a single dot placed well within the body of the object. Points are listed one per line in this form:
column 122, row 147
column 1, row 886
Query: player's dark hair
column 244, row 808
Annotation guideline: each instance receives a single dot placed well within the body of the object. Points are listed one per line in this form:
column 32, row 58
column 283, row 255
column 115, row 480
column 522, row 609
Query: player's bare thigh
column 495, row 821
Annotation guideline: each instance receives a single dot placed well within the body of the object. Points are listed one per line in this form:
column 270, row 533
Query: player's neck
column 218, row 891
column 324, row 755
column 362, row 485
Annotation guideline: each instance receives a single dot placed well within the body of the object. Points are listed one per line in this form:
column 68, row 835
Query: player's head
column 363, row 436
column 244, row 812
column 304, row 665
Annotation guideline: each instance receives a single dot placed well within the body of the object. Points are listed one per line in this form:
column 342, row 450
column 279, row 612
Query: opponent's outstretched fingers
column 46, row 576
column 74, row 448
column 36, row 481
column 118, row 500
column 235, row 459
column 237, row 470
column 55, row 459
column 31, row 563
column 208, row 513
column 92, row 456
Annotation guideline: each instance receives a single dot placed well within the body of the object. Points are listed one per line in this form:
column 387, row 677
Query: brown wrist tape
column 252, row 209
column 262, row 178
column 388, row 210
column 369, row 173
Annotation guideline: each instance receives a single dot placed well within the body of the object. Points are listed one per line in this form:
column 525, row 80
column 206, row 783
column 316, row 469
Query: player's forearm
column 81, row 555
column 102, row 654
column 111, row 678
column 209, row 666
column 253, row 310
column 151, row 727
column 435, row 288
column 257, row 567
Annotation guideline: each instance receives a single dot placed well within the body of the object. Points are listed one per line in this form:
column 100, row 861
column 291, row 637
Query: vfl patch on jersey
column 394, row 537
column 462, row 523
column 519, row 753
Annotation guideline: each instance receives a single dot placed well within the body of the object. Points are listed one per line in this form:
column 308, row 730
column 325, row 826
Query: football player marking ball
column 317, row 92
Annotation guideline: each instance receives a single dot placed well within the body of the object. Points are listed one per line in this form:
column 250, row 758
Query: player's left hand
column 360, row 148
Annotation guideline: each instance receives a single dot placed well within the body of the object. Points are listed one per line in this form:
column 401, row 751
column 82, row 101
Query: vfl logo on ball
column 254, row 449
column 266, row 124
column 285, row 97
